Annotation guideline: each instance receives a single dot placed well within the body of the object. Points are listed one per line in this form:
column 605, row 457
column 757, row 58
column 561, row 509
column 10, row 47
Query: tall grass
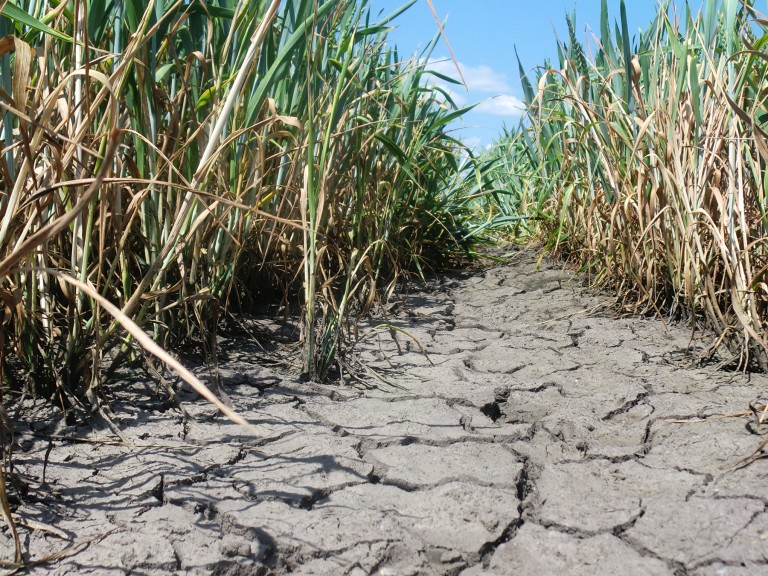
column 647, row 158
column 165, row 161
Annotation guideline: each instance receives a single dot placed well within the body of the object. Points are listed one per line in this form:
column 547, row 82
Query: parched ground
column 536, row 439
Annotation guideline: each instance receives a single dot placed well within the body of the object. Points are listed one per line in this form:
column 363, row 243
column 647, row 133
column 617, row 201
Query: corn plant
column 165, row 161
column 649, row 155
column 174, row 142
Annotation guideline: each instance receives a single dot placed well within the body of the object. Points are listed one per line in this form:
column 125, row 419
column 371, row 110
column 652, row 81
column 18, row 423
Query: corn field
column 166, row 162
column 643, row 161
column 174, row 159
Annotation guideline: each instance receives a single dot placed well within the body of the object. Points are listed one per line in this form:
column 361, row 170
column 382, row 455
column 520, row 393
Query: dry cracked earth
column 536, row 438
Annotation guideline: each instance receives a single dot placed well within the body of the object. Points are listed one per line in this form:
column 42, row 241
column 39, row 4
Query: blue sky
column 483, row 35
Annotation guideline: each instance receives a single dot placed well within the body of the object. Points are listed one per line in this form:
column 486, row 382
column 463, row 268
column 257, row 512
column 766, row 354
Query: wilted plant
column 159, row 156
column 649, row 157
column 153, row 148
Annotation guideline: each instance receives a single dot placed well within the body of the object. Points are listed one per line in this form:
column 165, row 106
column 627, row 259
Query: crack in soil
column 678, row 568
column 626, row 407
column 462, row 516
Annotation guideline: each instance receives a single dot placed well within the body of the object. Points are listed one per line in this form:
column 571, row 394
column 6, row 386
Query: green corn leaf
column 730, row 9
column 18, row 15
column 711, row 10
column 605, row 32
column 374, row 30
column 99, row 12
column 197, row 7
column 205, row 98
column 527, row 88
column 448, row 118
column 133, row 10
column 627, row 53
column 163, row 71
column 447, row 95
column 398, row 152
column 286, row 51
column 443, row 77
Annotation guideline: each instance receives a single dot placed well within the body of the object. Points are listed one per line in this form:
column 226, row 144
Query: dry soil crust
column 539, row 440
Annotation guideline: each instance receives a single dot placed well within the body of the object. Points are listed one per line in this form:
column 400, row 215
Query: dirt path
column 538, row 443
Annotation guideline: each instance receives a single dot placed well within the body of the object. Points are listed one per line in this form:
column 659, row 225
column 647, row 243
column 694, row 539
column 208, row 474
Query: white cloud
column 483, row 79
column 482, row 82
column 502, row 105
column 485, row 86
column 472, row 142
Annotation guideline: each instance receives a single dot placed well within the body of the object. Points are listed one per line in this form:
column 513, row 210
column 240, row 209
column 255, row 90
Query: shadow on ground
column 535, row 437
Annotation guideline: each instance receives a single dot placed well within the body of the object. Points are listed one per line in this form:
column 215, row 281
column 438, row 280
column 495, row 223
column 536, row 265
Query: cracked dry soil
column 539, row 440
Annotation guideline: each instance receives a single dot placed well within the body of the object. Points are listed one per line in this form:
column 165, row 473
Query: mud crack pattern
column 536, row 439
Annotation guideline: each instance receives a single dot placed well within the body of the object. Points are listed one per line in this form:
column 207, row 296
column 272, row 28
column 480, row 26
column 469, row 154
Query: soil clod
column 538, row 438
